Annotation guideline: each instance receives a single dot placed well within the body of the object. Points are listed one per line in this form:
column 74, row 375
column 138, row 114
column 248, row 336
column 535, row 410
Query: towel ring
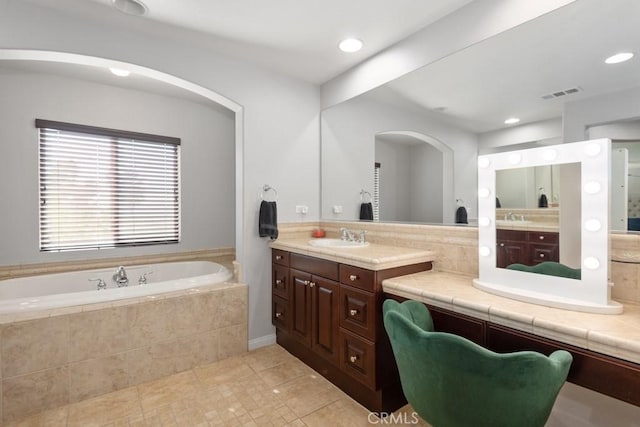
column 363, row 198
column 265, row 189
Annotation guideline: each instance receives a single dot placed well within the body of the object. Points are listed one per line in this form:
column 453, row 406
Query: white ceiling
column 295, row 37
column 507, row 75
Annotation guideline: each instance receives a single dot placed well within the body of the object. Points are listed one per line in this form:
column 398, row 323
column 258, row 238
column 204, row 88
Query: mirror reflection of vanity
column 460, row 102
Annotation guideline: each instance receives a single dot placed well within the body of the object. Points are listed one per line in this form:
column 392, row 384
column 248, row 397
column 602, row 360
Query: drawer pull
column 353, row 277
column 541, row 237
column 353, row 312
column 541, row 255
column 278, row 315
column 278, row 257
column 312, row 285
column 278, row 282
column 501, row 245
column 306, row 283
column 353, row 359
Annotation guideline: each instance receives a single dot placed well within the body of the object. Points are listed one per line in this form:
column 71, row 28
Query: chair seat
column 451, row 381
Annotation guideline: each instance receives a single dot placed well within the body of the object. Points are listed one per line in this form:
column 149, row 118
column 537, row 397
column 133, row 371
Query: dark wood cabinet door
column 324, row 315
column 300, row 306
column 510, row 252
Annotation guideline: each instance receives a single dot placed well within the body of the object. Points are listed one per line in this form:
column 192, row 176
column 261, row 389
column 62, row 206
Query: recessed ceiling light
column 619, row 57
column 511, row 121
column 350, row 45
column 120, row 72
column 131, row 7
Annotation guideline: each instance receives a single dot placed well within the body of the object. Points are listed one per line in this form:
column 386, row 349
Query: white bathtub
column 71, row 289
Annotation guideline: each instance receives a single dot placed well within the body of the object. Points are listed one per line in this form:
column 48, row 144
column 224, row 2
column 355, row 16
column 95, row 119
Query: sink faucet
column 120, row 277
column 512, row 216
column 350, row 236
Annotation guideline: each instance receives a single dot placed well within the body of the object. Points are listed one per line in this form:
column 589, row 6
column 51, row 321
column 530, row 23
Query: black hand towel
column 542, row 202
column 498, row 205
column 366, row 211
column 461, row 215
column 268, row 220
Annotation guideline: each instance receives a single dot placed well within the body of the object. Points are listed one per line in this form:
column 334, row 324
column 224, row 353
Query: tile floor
column 264, row 387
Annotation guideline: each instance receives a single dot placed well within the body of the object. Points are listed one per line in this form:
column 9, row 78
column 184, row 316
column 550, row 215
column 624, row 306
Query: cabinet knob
column 353, row 312
column 306, row 282
column 278, row 282
column 312, row 285
column 278, row 315
column 353, row 359
column 278, row 257
column 501, row 245
column 541, row 237
column 353, row 277
column 541, row 255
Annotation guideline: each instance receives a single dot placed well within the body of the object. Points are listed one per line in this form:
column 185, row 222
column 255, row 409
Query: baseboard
column 262, row 341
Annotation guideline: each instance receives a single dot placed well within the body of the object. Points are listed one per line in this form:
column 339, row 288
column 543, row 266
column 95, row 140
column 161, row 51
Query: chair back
column 453, row 382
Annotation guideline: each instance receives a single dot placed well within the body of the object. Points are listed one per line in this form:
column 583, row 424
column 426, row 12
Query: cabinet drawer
column 280, row 281
column 357, row 311
column 280, row 313
column 543, row 253
column 357, row 358
column 543, row 237
column 517, row 235
column 319, row 267
column 357, row 277
column 280, row 257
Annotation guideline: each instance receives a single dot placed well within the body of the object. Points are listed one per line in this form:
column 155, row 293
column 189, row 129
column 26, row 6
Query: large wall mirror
column 549, row 72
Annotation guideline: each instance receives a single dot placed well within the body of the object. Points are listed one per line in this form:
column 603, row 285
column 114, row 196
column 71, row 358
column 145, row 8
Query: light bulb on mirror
column 592, row 149
column 484, row 221
column 549, row 154
column 483, row 162
column 484, row 251
column 515, row 158
column 591, row 263
column 483, row 193
column 592, row 224
column 592, row 187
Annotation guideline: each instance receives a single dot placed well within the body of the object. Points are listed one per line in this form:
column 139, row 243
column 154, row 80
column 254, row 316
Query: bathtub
column 78, row 288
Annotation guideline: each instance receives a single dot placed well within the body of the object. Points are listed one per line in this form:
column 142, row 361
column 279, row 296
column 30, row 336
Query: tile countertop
column 373, row 257
column 534, row 226
column 616, row 335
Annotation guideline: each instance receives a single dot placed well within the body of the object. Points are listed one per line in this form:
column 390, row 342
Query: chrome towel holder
column 265, row 190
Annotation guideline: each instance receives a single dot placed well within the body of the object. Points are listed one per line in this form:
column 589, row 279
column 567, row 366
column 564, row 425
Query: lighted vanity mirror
column 591, row 214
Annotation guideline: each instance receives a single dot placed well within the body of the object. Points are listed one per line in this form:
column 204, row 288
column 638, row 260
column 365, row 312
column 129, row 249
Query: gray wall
column 207, row 158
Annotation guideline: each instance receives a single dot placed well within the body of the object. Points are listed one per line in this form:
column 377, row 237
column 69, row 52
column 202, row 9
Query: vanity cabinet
column 329, row 315
column 604, row 374
column 525, row 247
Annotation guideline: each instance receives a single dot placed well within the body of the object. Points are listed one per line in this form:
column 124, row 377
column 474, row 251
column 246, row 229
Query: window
column 104, row 188
column 376, row 191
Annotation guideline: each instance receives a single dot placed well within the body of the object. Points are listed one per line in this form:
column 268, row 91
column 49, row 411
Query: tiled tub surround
column 55, row 357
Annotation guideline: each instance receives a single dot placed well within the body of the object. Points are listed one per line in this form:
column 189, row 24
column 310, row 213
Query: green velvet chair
column 550, row 268
column 452, row 382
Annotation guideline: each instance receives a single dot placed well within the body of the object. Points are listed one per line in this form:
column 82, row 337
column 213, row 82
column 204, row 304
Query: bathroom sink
column 336, row 243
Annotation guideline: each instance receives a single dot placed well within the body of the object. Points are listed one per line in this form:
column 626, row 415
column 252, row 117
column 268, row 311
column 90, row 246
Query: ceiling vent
column 562, row 93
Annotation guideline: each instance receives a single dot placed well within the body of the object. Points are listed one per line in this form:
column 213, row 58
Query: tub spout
column 120, row 277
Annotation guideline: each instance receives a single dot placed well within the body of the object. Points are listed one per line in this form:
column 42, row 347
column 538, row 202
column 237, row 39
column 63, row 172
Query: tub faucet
column 120, row 277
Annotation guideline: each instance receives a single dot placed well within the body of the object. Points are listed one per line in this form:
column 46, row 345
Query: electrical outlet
column 337, row 209
column 302, row 209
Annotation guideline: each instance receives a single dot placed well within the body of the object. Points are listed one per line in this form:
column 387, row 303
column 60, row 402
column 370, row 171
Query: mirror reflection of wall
column 524, row 188
column 410, row 179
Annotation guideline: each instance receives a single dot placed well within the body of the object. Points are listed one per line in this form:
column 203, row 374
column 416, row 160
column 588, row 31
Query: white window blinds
column 102, row 188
